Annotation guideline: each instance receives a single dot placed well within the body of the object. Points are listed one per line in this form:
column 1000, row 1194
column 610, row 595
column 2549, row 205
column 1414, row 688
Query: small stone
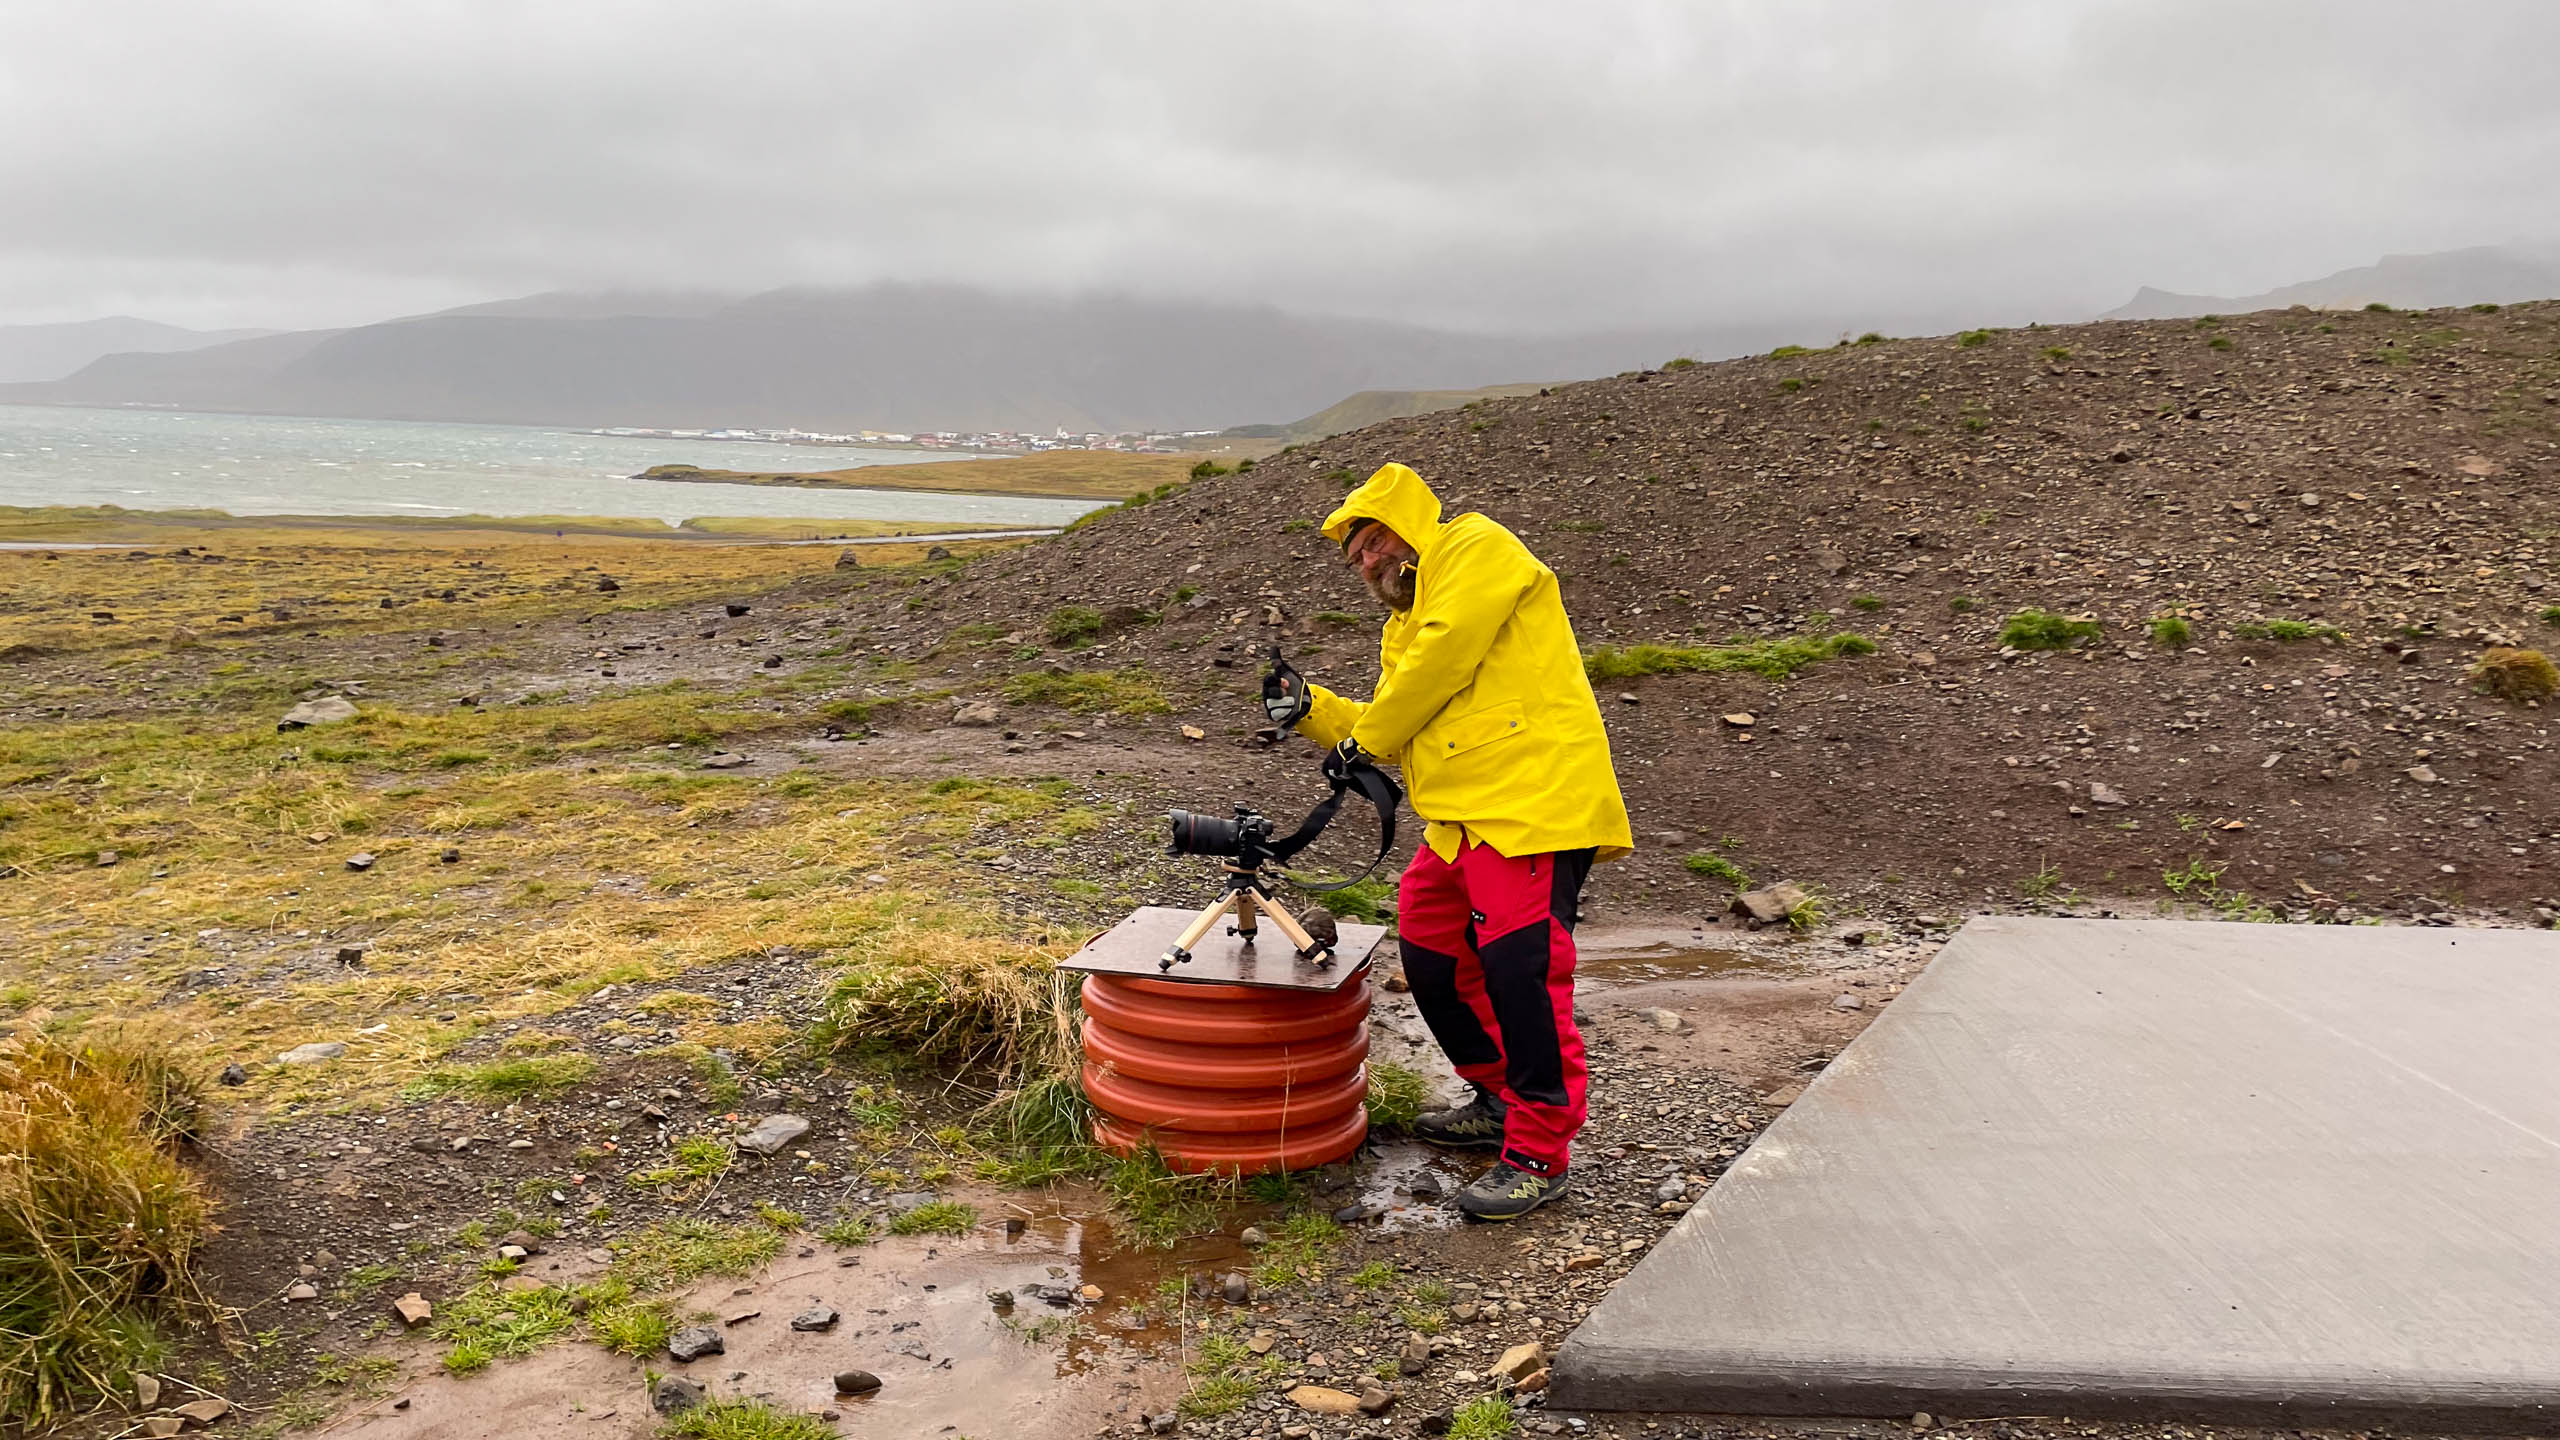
column 2106, row 797
column 327, row 710
column 1923, row 1420
column 816, row 1317
column 1415, row 1357
column 524, row 1240
column 1429, row 1186
column 161, row 1427
column 360, row 861
column 979, row 716
column 1848, row 1002
column 313, row 1053
column 735, row 609
column 1672, row 1188
column 1770, row 905
column 1666, row 1021
column 856, row 1382
column 1253, row 1235
column 1375, row 1400
column 1262, row 1342
column 1236, row 1286
column 726, row 760
column 146, row 1389
column 108, row 857
column 1164, row 1423
column 232, row 1074
column 1740, row 720
column 1437, row 1422
column 449, row 856
column 1324, row 1400
column 1521, row 1360
column 674, row 1394
column 847, row 560
column 1353, row 1214
column 204, row 1411
column 511, row 1252
column 695, row 1341
column 1582, row 1260
column 772, row 1133
column 2420, row 773
column 906, row 1200
column 1194, row 732
column 606, row 584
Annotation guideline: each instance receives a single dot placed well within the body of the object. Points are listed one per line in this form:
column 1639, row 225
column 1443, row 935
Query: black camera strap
column 1373, row 785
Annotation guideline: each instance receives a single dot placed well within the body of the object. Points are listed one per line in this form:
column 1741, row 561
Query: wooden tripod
column 1247, row 896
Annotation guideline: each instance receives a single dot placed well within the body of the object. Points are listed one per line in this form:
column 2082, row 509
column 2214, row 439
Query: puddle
column 915, row 1312
column 1611, row 955
column 1388, row 1175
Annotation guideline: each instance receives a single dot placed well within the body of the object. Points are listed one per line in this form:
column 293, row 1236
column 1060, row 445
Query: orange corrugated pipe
column 1227, row 1077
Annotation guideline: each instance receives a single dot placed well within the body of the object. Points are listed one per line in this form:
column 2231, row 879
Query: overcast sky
column 1486, row 164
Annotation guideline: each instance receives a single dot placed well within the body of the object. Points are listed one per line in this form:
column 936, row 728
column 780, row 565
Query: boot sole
column 1456, row 1142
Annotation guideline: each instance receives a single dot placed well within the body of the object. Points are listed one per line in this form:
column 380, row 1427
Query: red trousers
column 1488, row 950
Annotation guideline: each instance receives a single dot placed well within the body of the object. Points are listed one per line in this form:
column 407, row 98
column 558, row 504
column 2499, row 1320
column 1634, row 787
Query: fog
column 1525, row 167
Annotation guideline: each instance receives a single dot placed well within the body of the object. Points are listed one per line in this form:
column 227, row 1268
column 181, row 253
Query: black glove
column 1339, row 760
column 1284, row 693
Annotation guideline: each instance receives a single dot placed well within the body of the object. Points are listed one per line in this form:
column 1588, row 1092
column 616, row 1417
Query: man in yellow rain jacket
column 1483, row 702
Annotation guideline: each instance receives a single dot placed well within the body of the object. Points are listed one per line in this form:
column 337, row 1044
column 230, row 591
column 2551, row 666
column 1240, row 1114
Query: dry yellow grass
column 590, row 855
column 99, row 1220
column 214, row 586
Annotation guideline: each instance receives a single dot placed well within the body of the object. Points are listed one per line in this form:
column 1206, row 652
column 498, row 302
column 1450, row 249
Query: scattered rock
column 978, row 716
column 1923, row 1420
column 856, row 1382
column 161, row 1427
column 204, row 1411
column 146, row 1389
column 327, row 710
column 735, row 609
column 1324, row 1400
column 108, row 857
column 937, row 552
column 906, row 1200
column 1521, row 1361
column 313, row 1053
column 695, row 1341
column 301, row 1290
column 1253, row 1235
column 847, row 560
column 2106, row 797
column 1849, row 1002
column 232, row 1074
column 772, row 1133
column 818, row 1317
column 413, row 1310
column 1236, row 1286
column 726, row 760
column 360, row 861
column 1770, row 905
column 1666, row 1021
column 1415, row 1357
column 1376, row 1400
column 674, row 1394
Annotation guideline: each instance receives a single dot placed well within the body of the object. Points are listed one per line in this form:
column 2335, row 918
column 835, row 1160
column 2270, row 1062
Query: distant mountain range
column 889, row 357
column 931, row 357
column 50, row 352
column 2486, row 274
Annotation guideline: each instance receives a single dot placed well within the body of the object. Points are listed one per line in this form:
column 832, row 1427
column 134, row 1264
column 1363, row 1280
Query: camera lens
column 1195, row 834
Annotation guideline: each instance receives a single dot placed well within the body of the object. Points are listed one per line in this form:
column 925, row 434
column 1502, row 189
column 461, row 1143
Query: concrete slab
column 2117, row 1169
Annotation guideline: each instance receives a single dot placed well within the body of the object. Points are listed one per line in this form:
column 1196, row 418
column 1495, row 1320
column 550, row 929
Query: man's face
column 1385, row 564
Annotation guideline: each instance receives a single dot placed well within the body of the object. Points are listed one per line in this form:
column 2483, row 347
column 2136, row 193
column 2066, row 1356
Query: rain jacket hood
column 1482, row 699
column 1395, row 497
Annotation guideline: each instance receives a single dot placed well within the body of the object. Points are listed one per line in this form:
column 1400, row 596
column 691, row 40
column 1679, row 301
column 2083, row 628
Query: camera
column 1247, row 837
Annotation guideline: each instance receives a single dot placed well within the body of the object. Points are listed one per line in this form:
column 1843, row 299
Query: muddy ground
column 2385, row 477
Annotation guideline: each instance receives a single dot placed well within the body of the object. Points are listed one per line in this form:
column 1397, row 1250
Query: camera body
column 1246, row 839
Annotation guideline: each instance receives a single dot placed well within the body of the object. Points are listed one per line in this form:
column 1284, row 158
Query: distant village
column 1006, row 442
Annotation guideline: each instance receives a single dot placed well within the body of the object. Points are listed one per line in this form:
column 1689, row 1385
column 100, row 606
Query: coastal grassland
column 113, row 524
column 590, row 850
column 1067, row 474
column 197, row 586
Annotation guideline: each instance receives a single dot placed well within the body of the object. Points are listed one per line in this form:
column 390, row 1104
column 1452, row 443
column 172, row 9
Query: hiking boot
column 1476, row 1125
column 1507, row 1192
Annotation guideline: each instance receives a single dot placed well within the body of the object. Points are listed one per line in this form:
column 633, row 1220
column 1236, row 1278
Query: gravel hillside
column 2384, row 476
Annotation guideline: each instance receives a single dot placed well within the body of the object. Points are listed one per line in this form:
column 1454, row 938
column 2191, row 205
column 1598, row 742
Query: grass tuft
column 1771, row 659
column 1397, row 1094
column 2517, row 676
column 1486, row 1417
column 99, row 1220
column 2169, row 631
column 1074, row 625
column 743, row 1418
column 533, row 1077
column 1717, row 867
column 2033, row 629
column 937, row 1217
column 1091, row 692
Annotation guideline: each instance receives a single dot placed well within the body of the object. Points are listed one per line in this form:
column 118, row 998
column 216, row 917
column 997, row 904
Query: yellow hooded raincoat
column 1481, row 699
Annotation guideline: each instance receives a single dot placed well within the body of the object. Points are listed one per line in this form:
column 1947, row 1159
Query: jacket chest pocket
column 1477, row 729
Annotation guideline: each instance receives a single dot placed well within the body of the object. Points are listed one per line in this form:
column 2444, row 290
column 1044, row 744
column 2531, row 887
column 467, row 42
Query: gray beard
column 1396, row 591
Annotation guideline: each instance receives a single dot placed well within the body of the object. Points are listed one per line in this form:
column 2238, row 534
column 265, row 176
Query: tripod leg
column 1200, row 924
column 1296, row 932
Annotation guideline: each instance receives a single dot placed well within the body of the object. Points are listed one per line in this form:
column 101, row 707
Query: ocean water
column 291, row 465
